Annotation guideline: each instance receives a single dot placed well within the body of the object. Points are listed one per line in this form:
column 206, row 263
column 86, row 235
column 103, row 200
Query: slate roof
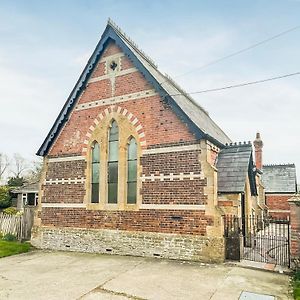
column 196, row 118
column 234, row 164
column 279, row 178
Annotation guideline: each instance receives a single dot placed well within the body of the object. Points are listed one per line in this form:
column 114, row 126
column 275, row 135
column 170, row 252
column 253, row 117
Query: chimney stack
column 258, row 145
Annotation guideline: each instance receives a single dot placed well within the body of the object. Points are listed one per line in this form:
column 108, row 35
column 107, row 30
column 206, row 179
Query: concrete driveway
column 65, row 275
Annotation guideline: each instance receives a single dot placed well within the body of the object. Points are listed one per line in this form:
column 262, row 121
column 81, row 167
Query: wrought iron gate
column 257, row 239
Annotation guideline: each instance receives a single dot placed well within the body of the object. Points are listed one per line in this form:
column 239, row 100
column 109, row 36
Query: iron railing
column 258, row 239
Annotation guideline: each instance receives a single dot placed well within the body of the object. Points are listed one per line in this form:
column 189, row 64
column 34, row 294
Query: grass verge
column 296, row 285
column 12, row 248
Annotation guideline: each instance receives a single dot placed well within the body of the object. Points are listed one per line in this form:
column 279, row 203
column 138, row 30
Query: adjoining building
column 279, row 182
column 240, row 191
column 280, row 185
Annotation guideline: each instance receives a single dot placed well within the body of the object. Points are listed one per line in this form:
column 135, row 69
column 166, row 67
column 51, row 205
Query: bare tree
column 34, row 172
column 4, row 163
column 19, row 165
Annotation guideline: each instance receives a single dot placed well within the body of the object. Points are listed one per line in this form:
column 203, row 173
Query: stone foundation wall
column 147, row 244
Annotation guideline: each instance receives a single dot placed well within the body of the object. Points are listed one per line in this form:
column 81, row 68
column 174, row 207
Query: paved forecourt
column 67, row 275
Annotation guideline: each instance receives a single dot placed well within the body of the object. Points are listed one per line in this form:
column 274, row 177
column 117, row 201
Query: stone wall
column 230, row 204
column 147, row 244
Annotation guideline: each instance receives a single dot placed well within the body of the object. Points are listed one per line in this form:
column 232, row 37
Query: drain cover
column 254, row 296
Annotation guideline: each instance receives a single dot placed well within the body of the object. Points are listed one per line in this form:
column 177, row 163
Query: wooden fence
column 18, row 225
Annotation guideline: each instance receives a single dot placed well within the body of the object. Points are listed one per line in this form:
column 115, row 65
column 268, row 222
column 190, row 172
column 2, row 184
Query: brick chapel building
column 133, row 165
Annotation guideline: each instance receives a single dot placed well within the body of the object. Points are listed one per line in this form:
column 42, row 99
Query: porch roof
column 234, row 164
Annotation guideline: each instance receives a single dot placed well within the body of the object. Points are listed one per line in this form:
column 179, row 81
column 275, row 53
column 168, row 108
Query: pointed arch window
column 132, row 171
column 113, row 159
column 95, row 173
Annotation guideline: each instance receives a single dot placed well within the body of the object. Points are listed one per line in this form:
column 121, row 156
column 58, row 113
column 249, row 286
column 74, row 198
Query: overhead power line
column 238, row 52
column 240, row 84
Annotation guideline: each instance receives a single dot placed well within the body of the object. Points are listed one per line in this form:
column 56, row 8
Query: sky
column 44, row 46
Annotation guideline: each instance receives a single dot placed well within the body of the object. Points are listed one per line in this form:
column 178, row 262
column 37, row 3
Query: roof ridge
column 132, row 43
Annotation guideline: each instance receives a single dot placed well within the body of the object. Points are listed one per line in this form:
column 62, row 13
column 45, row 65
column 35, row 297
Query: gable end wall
column 172, row 182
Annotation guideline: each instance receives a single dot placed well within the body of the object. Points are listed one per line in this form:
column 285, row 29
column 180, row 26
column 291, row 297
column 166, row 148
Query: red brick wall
column 111, row 50
column 174, row 192
column 67, row 193
column 162, row 128
column 66, row 169
column 95, row 91
column 159, row 122
column 171, row 162
column 166, row 221
column 99, row 70
column 278, row 202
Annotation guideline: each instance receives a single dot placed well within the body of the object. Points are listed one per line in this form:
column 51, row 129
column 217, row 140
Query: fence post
column 294, row 203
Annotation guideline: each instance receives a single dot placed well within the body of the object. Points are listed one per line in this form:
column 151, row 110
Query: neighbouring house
column 280, row 185
column 26, row 196
column 240, row 191
column 279, row 182
column 133, row 165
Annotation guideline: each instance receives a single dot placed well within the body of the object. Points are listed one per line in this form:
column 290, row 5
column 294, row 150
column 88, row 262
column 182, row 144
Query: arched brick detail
column 122, row 111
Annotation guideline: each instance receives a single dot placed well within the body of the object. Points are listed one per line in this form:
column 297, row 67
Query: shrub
column 10, row 211
column 9, row 237
column 1, row 235
column 5, row 199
